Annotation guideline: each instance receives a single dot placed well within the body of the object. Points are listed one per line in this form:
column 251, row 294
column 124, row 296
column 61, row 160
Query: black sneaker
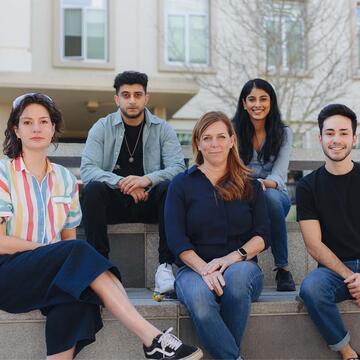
column 284, row 280
column 168, row 346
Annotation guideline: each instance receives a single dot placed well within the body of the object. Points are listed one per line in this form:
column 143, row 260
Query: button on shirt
column 36, row 211
column 196, row 218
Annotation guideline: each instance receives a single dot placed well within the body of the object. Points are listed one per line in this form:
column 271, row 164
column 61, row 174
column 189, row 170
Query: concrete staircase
column 279, row 327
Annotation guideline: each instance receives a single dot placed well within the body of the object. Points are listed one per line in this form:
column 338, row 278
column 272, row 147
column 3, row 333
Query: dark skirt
column 55, row 279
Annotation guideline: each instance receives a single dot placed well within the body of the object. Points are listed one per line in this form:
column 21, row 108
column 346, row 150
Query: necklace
column 131, row 153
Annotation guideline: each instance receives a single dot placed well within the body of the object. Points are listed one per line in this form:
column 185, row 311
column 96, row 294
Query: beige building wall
column 15, row 39
column 30, row 61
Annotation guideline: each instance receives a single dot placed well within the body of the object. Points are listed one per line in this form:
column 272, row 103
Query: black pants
column 102, row 205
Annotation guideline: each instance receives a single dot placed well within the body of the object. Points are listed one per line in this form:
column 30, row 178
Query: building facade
column 197, row 53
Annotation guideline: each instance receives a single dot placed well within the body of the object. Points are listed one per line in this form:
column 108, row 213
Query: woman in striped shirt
column 64, row 278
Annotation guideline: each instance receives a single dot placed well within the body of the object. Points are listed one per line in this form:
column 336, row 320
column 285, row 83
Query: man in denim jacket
column 129, row 158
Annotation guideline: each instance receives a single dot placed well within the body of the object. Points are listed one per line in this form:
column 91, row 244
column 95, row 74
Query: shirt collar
column 193, row 169
column 149, row 118
column 19, row 165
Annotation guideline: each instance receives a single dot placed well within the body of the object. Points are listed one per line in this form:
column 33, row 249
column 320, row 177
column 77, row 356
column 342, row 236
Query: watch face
column 242, row 252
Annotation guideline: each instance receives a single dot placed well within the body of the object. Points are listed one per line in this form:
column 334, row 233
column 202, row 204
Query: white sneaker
column 164, row 279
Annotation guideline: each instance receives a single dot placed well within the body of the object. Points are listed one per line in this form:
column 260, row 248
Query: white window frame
column 83, row 58
column 293, row 14
column 187, row 16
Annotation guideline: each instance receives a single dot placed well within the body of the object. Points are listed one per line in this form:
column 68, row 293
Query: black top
column 197, row 218
column 334, row 200
column 123, row 166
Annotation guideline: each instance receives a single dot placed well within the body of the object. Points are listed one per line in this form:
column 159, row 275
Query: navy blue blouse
column 197, row 219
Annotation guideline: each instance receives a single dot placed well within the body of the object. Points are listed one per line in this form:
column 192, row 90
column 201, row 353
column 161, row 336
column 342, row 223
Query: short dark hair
column 337, row 109
column 130, row 78
column 12, row 145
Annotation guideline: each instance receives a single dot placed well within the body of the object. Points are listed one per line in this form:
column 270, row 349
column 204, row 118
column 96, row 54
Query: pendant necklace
column 131, row 153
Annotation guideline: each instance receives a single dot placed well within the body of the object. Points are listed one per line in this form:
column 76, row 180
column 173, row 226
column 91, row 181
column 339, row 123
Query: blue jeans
column 278, row 205
column 220, row 321
column 320, row 291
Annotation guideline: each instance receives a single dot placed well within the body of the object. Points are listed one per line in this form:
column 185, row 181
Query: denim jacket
column 162, row 160
column 274, row 170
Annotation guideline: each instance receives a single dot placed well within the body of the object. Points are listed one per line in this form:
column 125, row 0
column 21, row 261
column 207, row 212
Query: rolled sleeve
column 73, row 218
column 175, row 219
column 281, row 164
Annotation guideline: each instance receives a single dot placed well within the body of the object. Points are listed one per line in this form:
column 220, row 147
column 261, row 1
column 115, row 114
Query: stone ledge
column 141, row 228
column 270, row 303
column 127, row 228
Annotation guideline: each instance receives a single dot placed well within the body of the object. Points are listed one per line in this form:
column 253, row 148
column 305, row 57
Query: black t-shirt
column 334, row 200
column 124, row 167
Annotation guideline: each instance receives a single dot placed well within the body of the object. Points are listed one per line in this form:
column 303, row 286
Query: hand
column 215, row 282
column 139, row 194
column 132, row 182
column 353, row 284
column 219, row 264
column 261, row 181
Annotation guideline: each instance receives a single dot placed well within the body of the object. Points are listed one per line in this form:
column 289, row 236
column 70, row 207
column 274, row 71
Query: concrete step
column 134, row 251
column 278, row 329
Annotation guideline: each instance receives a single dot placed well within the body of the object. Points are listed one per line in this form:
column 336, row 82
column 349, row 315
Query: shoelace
column 170, row 340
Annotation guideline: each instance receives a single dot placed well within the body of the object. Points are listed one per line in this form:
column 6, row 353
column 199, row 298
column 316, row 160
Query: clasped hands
column 212, row 273
column 353, row 284
column 135, row 186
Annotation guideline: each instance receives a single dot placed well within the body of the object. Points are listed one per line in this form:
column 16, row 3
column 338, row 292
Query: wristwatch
column 242, row 252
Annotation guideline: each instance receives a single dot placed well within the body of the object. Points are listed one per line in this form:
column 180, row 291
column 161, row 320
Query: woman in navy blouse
column 265, row 146
column 216, row 223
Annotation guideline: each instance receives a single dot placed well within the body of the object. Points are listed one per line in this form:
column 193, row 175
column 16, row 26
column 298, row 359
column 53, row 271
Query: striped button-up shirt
column 38, row 211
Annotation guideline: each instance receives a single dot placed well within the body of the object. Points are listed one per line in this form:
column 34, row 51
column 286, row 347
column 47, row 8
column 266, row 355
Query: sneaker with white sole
column 168, row 346
column 164, row 279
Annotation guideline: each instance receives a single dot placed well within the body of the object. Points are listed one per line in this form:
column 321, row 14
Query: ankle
column 348, row 352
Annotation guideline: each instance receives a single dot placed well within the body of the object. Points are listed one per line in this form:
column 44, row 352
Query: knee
column 273, row 200
column 311, row 291
column 79, row 246
column 243, row 282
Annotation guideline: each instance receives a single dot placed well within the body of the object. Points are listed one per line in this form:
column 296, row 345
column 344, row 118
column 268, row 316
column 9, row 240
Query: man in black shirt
column 328, row 208
column 129, row 158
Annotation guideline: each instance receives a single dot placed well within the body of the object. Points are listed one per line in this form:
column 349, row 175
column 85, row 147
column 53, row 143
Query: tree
column 302, row 47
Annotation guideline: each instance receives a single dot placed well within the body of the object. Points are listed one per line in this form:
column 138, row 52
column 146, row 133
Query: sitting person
column 265, row 146
column 129, row 158
column 216, row 223
column 66, row 279
column 328, row 207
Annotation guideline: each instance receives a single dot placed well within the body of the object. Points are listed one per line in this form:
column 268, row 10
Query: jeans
column 278, row 205
column 220, row 321
column 102, row 205
column 320, row 291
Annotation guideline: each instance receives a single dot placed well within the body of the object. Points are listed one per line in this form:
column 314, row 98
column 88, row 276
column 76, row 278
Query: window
column 285, row 38
column 84, row 30
column 187, row 32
